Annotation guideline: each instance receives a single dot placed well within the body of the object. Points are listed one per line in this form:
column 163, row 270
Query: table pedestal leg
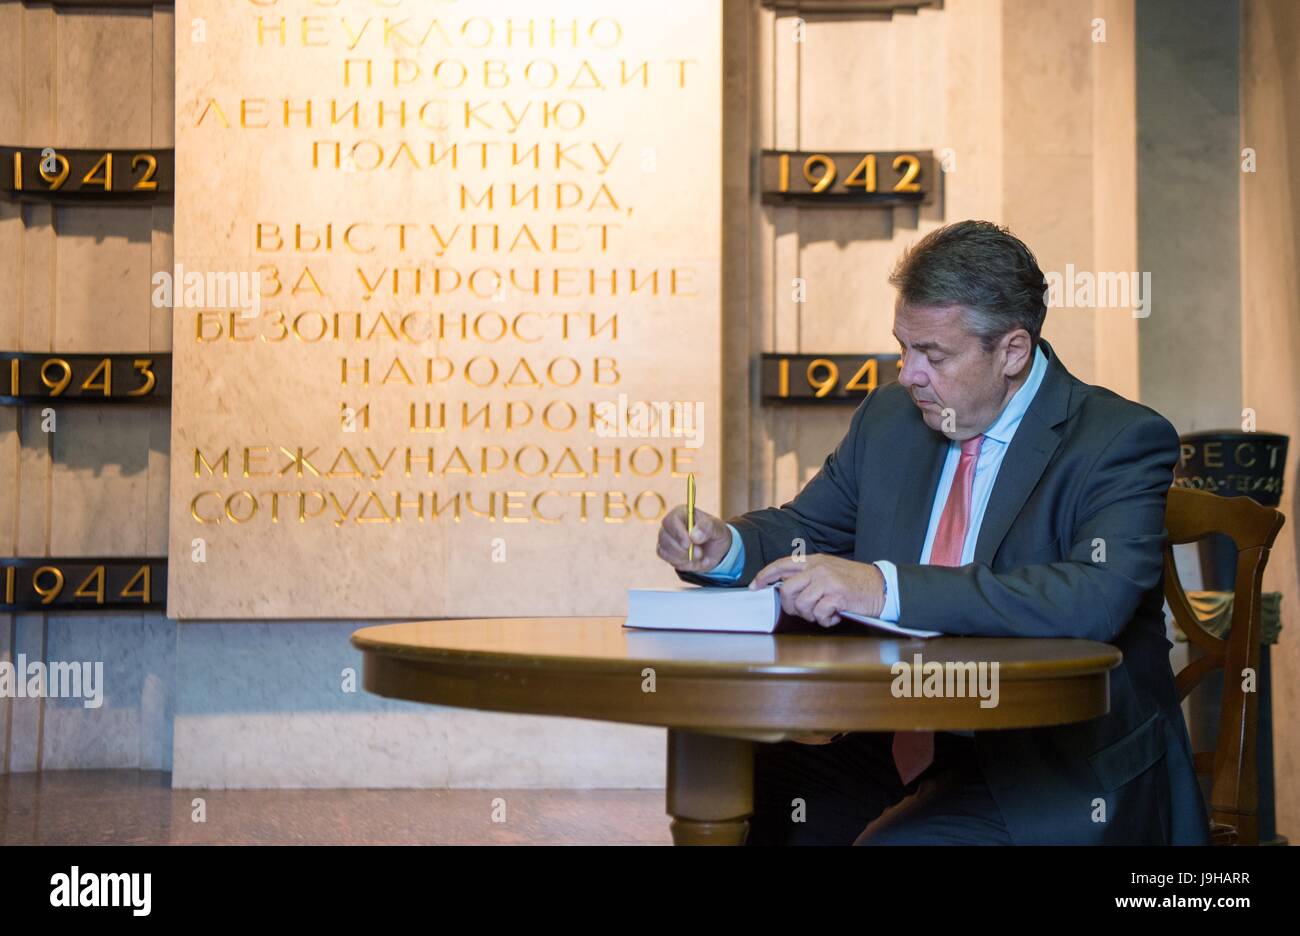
column 710, row 788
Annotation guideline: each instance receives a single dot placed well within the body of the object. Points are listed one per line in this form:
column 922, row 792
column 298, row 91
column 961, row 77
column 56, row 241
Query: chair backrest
column 1192, row 515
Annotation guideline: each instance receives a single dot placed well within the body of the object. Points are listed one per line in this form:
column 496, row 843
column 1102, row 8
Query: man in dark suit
column 987, row 493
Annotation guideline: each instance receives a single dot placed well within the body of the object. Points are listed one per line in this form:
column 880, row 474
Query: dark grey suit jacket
column 1085, row 467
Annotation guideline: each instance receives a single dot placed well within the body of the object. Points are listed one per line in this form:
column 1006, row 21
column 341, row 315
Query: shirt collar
column 1004, row 427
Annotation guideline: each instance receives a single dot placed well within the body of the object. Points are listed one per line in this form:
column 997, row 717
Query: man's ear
column 1018, row 349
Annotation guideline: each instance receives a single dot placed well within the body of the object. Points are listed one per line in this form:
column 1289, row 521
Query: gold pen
column 690, row 517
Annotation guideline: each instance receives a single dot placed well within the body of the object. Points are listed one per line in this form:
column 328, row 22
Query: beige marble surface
column 1270, row 300
column 661, row 147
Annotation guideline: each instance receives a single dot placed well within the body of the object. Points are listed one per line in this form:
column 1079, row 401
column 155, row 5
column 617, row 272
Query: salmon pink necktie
column 914, row 750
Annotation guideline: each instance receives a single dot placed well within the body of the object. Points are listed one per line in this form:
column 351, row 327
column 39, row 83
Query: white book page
column 891, row 628
column 732, row 610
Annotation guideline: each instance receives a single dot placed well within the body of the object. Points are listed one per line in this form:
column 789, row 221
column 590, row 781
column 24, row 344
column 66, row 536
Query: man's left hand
column 818, row 587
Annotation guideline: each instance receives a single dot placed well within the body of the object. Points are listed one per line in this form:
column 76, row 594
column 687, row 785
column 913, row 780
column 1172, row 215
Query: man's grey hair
column 983, row 268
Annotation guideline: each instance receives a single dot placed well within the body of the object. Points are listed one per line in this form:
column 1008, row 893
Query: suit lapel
column 921, row 466
column 1035, row 442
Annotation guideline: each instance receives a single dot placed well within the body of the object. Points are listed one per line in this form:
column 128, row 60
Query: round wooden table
column 718, row 694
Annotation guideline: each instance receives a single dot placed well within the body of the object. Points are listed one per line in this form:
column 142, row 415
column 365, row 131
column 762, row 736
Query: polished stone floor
column 128, row 807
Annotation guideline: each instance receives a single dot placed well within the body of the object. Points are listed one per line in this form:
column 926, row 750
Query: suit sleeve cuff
column 890, row 572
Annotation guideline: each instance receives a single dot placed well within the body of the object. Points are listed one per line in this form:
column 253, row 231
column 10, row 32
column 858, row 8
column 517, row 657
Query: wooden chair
column 1191, row 515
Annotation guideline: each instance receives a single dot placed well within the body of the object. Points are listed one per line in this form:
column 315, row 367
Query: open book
column 733, row 610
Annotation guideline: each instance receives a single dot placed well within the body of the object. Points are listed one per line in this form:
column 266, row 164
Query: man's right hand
column 712, row 539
